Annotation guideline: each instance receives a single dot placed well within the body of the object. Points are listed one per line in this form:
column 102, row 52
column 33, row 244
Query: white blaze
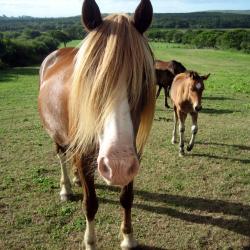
column 198, row 85
column 118, row 128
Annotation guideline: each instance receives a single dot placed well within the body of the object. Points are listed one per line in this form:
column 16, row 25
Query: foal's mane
column 112, row 57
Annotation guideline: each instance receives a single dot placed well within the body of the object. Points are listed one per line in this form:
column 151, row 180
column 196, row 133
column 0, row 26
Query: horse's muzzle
column 198, row 108
column 118, row 172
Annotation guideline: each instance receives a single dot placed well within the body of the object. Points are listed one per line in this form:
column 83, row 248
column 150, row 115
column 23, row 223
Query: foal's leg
column 175, row 125
column 66, row 191
column 182, row 117
column 166, row 97
column 194, row 131
column 90, row 202
column 126, row 200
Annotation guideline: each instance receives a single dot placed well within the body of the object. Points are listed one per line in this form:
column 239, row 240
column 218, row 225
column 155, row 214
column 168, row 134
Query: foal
column 165, row 73
column 186, row 93
column 97, row 102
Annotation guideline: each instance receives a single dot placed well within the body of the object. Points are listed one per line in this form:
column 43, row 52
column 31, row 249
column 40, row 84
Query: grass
column 201, row 201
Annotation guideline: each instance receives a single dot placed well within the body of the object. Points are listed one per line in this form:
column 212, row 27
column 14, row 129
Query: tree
column 61, row 36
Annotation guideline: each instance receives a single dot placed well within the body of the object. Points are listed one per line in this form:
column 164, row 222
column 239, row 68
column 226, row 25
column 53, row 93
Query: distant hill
column 197, row 20
column 241, row 12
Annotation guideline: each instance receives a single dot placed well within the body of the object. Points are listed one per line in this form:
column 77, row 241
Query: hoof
column 189, row 148
column 181, row 154
column 90, row 246
column 66, row 197
column 129, row 242
column 77, row 182
column 173, row 141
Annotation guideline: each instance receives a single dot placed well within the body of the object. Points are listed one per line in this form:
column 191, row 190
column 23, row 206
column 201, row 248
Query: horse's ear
column 143, row 16
column 205, row 77
column 191, row 74
column 91, row 15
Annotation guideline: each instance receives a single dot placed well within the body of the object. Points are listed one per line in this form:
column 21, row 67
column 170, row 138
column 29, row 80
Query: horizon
column 64, row 8
column 202, row 11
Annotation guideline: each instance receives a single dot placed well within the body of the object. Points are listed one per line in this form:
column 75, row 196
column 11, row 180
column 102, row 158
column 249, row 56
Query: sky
column 65, row 8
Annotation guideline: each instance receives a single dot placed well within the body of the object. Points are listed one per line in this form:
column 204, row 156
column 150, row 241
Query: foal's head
column 113, row 93
column 196, row 87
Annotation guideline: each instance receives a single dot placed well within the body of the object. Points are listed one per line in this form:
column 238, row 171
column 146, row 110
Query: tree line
column 27, row 41
column 195, row 20
column 218, row 39
column 31, row 46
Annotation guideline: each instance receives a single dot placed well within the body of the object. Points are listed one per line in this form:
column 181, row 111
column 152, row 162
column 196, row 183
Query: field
column 201, row 201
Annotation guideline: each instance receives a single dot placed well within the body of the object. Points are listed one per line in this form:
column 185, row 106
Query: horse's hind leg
column 76, row 179
column 182, row 117
column 66, row 191
column 175, row 125
column 126, row 200
column 194, row 131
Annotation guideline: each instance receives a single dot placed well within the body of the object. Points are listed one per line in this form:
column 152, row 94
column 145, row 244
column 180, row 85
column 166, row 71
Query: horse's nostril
column 198, row 108
column 105, row 169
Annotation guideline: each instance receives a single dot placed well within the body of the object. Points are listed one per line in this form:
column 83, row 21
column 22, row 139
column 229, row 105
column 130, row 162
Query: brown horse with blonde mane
column 97, row 104
column 186, row 93
column 165, row 73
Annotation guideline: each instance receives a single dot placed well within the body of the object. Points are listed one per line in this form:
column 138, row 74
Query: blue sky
column 56, row 8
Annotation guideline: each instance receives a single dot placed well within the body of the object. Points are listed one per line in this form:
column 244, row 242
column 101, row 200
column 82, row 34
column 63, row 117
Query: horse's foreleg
column 194, row 131
column 159, row 91
column 66, row 191
column 175, row 125
column 91, row 207
column 126, row 200
column 182, row 118
column 90, row 203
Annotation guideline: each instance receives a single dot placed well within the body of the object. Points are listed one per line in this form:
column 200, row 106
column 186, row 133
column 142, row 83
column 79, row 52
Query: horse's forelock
column 111, row 56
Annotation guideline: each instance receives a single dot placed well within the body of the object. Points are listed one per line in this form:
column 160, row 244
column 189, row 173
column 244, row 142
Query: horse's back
column 161, row 65
column 55, row 81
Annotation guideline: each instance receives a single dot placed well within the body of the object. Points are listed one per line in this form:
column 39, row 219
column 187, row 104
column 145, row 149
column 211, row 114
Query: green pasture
column 201, row 201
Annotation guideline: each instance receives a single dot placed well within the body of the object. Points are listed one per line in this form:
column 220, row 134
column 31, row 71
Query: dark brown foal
column 165, row 73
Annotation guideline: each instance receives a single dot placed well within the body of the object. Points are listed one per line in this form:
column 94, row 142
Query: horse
column 97, row 104
column 186, row 93
column 165, row 73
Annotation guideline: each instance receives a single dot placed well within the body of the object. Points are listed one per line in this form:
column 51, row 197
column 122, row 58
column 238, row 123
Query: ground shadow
column 218, row 111
column 219, row 98
column 144, row 247
column 240, row 147
column 160, row 118
column 244, row 161
column 240, row 226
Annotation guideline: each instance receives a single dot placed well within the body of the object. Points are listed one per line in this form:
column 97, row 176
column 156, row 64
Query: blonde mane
column 111, row 56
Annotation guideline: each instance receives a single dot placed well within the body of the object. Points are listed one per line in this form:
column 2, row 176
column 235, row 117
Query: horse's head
column 114, row 86
column 196, row 87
